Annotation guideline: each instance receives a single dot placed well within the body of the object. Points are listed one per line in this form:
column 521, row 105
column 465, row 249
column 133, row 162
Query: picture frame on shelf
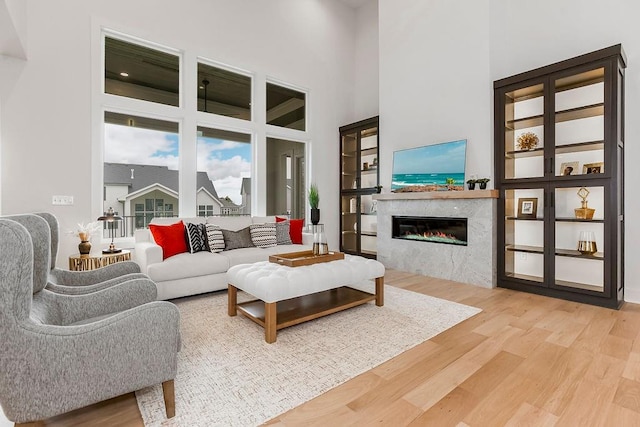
column 569, row 168
column 527, row 207
column 589, row 168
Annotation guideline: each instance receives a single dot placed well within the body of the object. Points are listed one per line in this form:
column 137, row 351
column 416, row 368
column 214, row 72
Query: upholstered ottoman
column 288, row 296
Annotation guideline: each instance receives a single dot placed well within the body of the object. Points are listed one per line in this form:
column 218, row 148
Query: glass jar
column 320, row 246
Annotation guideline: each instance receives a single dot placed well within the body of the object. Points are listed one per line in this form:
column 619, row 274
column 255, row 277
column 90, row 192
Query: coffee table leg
column 380, row 291
column 270, row 322
column 233, row 300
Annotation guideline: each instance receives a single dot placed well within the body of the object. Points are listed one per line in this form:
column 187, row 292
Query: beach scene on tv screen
column 430, row 167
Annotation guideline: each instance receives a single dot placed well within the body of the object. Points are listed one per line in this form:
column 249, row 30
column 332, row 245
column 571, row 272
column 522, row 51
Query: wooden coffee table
column 286, row 298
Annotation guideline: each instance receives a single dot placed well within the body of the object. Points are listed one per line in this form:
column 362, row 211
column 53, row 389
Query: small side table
column 92, row 261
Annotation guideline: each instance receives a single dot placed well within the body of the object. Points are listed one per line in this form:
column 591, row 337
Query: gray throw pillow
column 237, row 239
column 282, row 233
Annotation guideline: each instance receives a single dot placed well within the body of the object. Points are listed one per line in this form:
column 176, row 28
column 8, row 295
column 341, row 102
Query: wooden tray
column 297, row 259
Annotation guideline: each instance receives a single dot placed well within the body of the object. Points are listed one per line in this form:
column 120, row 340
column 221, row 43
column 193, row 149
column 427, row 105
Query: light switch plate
column 62, row 200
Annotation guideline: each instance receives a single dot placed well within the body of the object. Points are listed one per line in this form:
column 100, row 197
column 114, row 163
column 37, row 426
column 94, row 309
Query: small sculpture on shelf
column 584, row 212
column 528, row 141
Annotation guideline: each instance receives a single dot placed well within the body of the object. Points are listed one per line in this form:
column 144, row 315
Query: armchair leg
column 30, row 424
column 169, row 398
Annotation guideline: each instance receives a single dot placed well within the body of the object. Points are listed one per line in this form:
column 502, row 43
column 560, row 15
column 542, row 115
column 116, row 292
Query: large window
column 224, row 92
column 224, row 171
column 140, row 168
column 141, row 72
column 180, row 136
column 285, row 107
column 285, row 178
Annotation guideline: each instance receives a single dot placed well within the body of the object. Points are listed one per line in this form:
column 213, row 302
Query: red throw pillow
column 295, row 229
column 170, row 238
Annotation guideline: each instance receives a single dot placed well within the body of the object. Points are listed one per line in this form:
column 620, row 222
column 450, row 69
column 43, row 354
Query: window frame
column 188, row 118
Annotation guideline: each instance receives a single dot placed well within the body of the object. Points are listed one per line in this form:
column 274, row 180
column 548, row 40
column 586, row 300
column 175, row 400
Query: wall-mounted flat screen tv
column 430, row 168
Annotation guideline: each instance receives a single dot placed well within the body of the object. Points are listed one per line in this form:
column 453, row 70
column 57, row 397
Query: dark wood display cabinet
column 359, row 181
column 559, row 153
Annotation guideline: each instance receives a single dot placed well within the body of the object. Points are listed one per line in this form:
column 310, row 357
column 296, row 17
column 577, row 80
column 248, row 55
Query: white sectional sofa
column 190, row 274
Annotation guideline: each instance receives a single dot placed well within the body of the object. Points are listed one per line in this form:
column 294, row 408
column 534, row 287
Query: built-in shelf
column 560, row 149
column 369, row 233
column 515, row 218
column 466, row 194
column 559, row 252
column 525, row 277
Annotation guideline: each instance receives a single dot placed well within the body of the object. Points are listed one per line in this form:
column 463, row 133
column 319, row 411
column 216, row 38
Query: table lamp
column 110, row 217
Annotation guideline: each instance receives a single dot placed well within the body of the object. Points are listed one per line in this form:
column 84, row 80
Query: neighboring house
column 245, row 191
column 143, row 192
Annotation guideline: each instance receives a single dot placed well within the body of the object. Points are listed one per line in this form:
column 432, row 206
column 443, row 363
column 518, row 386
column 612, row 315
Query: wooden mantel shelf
column 426, row 195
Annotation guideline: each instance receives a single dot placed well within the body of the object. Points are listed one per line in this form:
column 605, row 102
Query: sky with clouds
column 448, row 157
column 226, row 162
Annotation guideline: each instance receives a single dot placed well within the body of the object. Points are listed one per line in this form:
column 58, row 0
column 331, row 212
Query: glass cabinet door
column 579, row 124
column 350, row 212
column 524, row 234
column 579, row 238
column 350, row 161
column 524, row 133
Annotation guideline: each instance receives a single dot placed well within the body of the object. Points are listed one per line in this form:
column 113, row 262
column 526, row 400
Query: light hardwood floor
column 525, row 360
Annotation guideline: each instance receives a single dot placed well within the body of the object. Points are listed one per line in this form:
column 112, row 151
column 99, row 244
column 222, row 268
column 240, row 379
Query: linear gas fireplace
column 451, row 231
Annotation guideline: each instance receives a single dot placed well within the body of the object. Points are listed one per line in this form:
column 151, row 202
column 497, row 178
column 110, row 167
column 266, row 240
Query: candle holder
column 584, row 212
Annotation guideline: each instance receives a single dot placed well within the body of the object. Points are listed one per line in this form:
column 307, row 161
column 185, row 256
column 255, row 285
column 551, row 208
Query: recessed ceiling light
column 123, row 74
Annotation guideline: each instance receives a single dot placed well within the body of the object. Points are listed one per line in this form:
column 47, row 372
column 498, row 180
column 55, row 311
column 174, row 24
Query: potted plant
column 472, row 184
column 378, row 188
column 314, row 200
column 483, row 183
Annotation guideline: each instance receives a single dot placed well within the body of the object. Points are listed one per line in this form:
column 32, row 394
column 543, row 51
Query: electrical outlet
column 62, row 200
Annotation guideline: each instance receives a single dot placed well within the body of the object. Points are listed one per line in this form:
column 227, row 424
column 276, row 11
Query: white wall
column 439, row 58
column 46, row 114
column 366, row 81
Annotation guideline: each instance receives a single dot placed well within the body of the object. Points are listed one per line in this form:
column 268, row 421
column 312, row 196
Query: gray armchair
column 63, row 352
column 82, row 282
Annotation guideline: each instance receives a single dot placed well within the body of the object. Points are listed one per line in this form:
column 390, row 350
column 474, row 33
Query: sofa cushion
column 196, row 236
column 237, row 239
column 233, row 223
column 263, row 235
column 215, row 239
column 170, row 238
column 188, row 265
column 282, row 233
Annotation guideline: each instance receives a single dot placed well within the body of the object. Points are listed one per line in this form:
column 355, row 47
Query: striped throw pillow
column 215, row 239
column 196, row 237
column 263, row 235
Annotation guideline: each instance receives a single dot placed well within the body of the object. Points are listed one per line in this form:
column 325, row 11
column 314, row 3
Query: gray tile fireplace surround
column 473, row 264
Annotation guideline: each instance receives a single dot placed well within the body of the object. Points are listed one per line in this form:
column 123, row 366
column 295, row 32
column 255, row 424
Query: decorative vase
column 315, row 216
column 584, row 212
column 320, row 246
column 84, row 247
column 587, row 243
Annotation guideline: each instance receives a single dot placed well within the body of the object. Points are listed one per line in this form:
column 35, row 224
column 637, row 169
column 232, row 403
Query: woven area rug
column 229, row 376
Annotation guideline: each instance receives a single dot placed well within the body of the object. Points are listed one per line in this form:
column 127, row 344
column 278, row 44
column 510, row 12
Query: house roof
column 245, row 188
column 137, row 177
